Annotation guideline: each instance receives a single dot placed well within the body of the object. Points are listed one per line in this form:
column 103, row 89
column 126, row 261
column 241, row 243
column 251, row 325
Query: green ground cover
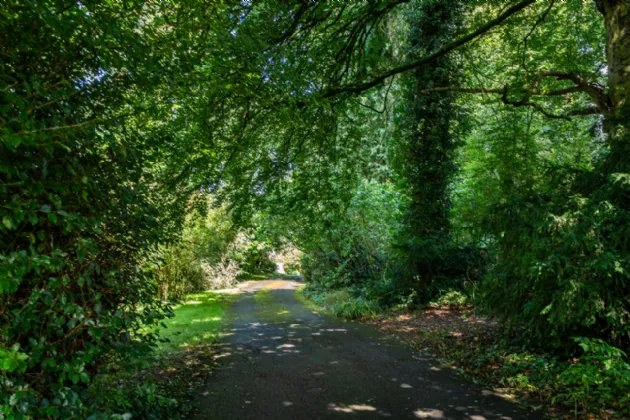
column 161, row 387
column 198, row 320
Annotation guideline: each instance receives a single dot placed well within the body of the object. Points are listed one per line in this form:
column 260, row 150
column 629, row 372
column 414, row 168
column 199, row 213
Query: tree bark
column 617, row 120
column 429, row 151
column 617, row 22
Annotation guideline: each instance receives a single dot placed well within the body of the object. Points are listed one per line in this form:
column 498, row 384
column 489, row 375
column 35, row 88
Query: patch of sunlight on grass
column 196, row 321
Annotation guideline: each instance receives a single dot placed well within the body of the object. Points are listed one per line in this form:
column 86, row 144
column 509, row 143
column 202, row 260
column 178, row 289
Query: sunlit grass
column 196, row 321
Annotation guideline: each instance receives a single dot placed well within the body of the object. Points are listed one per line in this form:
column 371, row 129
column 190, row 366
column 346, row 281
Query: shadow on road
column 281, row 360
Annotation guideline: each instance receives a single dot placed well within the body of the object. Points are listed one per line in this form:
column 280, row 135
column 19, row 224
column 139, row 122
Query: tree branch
column 533, row 28
column 294, row 24
column 594, row 90
column 355, row 88
column 525, row 102
column 556, row 92
column 384, row 101
column 591, row 110
column 462, row 90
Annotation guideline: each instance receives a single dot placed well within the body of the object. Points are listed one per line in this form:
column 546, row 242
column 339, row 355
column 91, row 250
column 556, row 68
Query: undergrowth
column 162, row 388
column 588, row 380
column 452, row 297
column 343, row 303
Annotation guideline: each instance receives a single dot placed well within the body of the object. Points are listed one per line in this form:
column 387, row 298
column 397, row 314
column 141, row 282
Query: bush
column 291, row 258
column 451, row 297
column 355, row 247
column 80, row 203
column 599, row 379
column 256, row 259
column 221, row 275
column 179, row 272
column 134, row 398
column 205, row 257
column 343, row 303
column 562, row 270
column 439, row 267
column 356, row 308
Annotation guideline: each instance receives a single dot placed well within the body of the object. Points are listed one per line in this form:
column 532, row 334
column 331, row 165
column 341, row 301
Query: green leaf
column 12, row 360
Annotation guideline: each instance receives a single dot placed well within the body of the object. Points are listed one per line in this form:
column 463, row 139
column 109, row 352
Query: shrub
column 291, row 257
column 179, row 272
column 599, row 379
column 256, row 259
column 451, row 297
column 436, row 267
column 221, row 275
column 343, row 303
column 355, row 308
column 562, row 269
column 355, row 247
column 204, row 256
column 135, row 399
column 80, row 204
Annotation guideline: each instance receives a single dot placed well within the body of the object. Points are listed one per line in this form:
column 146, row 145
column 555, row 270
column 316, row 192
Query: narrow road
column 281, row 360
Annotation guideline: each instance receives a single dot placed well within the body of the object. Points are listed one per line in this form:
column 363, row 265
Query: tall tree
column 430, row 138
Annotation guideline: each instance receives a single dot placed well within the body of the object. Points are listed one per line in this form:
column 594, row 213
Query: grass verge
column 341, row 303
column 163, row 388
column 197, row 321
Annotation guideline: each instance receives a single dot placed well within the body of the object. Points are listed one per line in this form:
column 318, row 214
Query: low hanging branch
column 525, row 102
column 500, row 91
column 594, row 90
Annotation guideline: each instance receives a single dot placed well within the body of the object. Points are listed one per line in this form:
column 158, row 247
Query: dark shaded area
column 282, row 361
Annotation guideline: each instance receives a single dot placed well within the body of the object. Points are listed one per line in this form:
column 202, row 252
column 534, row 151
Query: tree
column 431, row 135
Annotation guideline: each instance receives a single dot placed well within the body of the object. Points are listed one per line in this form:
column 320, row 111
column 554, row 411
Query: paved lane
column 281, row 360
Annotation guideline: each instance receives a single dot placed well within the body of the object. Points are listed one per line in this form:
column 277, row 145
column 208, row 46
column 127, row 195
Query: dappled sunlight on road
column 295, row 363
column 351, row 408
column 429, row 414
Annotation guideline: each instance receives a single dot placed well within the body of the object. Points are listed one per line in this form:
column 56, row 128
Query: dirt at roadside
column 472, row 346
column 455, row 323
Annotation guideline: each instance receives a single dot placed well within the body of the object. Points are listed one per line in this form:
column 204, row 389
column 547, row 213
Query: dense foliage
column 430, row 134
column 405, row 149
column 80, row 202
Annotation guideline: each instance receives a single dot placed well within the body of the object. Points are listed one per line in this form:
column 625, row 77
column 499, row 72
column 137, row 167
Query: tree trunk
column 617, row 21
column 428, row 153
column 617, row 120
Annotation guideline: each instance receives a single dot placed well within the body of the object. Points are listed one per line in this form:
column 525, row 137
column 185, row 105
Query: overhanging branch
column 525, row 95
column 527, row 92
column 355, row 88
column 594, row 90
